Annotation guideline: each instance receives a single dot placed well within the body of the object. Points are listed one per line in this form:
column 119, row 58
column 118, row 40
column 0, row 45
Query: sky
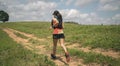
column 79, row 11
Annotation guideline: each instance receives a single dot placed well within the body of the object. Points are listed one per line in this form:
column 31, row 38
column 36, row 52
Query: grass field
column 95, row 36
column 106, row 37
column 13, row 54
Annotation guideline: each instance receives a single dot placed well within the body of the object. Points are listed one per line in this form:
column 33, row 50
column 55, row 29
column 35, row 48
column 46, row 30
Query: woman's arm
column 54, row 22
column 51, row 25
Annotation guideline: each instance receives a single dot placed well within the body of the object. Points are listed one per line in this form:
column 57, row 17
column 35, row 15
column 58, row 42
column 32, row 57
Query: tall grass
column 13, row 54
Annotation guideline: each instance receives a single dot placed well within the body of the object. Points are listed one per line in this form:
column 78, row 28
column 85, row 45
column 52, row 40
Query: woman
column 58, row 34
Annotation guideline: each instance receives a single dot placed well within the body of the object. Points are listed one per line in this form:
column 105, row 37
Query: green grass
column 106, row 36
column 37, row 28
column 13, row 54
column 102, row 36
column 95, row 36
column 95, row 58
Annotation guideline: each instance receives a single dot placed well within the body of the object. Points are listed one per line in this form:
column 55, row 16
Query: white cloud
column 93, row 18
column 70, row 14
column 87, row 18
column 39, row 5
column 37, row 10
column 2, row 6
column 105, row 1
column 68, row 2
column 20, row 10
column 83, row 2
column 79, row 2
column 116, row 17
column 84, row 16
column 73, row 13
column 109, row 5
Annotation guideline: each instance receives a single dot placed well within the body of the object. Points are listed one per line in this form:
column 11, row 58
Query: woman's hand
column 50, row 28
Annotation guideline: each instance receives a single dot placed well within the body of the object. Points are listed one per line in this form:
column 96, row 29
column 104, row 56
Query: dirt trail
column 110, row 53
column 27, row 35
column 61, row 61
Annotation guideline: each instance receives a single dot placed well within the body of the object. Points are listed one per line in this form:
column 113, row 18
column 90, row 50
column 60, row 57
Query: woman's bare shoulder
column 54, row 19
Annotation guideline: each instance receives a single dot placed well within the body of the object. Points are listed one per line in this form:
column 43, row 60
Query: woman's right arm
column 54, row 22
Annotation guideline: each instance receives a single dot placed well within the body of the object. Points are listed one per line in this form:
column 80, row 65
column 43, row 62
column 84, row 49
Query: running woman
column 58, row 34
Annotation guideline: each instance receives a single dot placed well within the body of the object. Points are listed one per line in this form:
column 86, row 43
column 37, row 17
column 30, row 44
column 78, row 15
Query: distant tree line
column 72, row 22
column 4, row 16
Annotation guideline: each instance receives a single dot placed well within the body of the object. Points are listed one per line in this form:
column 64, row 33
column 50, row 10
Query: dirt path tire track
column 109, row 53
column 27, row 35
column 25, row 43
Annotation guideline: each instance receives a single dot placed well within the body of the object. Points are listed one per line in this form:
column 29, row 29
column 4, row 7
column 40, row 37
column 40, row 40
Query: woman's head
column 56, row 13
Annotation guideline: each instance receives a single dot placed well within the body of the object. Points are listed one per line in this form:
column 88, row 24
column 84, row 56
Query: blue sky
column 80, row 11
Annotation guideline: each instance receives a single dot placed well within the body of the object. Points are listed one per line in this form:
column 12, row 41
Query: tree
column 4, row 16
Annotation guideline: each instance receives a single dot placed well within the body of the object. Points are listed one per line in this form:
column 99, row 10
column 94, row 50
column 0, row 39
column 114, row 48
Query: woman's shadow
column 61, row 60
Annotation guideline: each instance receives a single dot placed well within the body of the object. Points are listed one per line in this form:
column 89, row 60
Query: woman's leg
column 54, row 46
column 62, row 45
column 65, row 50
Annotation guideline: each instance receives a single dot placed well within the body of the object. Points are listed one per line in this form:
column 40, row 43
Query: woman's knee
column 62, row 45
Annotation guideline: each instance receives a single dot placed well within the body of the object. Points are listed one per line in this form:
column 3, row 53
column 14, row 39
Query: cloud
column 70, row 14
column 39, row 5
column 83, row 2
column 87, row 18
column 94, row 19
column 37, row 10
column 41, row 10
column 79, row 2
column 91, row 18
column 116, row 17
column 82, row 18
column 3, row 6
column 68, row 2
column 105, row 1
column 109, row 5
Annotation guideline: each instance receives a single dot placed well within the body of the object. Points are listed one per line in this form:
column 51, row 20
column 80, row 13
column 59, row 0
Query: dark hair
column 58, row 17
column 56, row 12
